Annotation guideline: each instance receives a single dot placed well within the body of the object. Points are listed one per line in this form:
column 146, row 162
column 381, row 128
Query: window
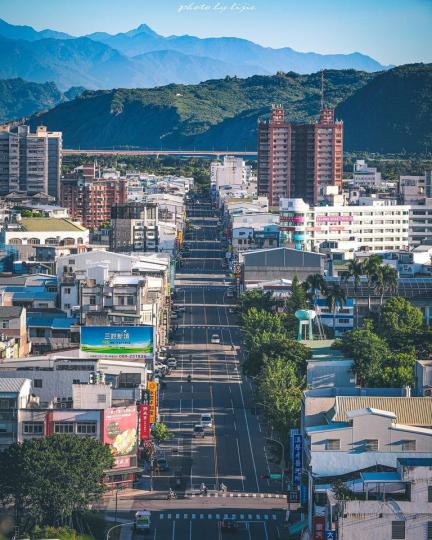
column 37, row 383
column 398, row 530
column 5, row 324
column 67, row 290
column 101, row 398
column 130, row 300
column 429, row 493
column 76, row 381
column 371, row 445
column 86, row 428
column 92, row 300
column 63, row 427
column 429, row 530
column 33, row 428
column 333, row 444
column 67, row 306
column 408, row 446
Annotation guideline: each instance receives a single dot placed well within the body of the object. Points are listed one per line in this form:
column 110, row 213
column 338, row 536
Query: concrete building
column 365, row 176
column 232, row 171
column 134, row 227
column 278, row 263
column 254, row 231
column 30, row 162
column 347, row 228
column 89, row 199
column 420, row 223
column 386, row 505
column 45, row 231
column 13, row 325
column 299, row 160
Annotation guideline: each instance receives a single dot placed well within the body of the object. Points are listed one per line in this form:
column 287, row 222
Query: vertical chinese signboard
column 297, row 454
column 152, row 388
column 318, row 527
column 145, row 422
column 120, row 432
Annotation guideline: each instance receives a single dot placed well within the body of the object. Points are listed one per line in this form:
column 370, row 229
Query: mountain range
column 143, row 58
column 19, row 98
column 384, row 112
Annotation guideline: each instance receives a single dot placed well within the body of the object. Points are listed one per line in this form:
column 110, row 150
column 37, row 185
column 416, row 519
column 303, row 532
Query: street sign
column 275, row 476
column 330, row 535
column 294, row 496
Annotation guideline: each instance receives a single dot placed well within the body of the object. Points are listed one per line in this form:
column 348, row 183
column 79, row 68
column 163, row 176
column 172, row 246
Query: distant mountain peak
column 142, row 29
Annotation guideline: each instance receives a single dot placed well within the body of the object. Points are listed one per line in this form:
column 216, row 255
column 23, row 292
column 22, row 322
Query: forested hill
column 393, row 113
column 389, row 111
column 217, row 113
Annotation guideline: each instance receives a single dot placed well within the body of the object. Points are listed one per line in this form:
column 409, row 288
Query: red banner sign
column 144, row 422
column 318, row 527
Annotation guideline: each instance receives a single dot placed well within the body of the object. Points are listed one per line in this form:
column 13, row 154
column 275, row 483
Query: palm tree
column 315, row 284
column 370, row 269
column 335, row 298
column 386, row 280
column 355, row 270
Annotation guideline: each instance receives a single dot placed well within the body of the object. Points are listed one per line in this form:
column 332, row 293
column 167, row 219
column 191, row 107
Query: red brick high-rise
column 89, row 199
column 314, row 156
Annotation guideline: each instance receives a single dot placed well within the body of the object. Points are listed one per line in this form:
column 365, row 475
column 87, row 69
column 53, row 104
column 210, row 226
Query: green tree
column 160, row 432
column 258, row 299
column 399, row 320
column 397, row 371
column 367, row 350
column 335, row 298
column 355, row 271
column 370, row 269
column 297, row 300
column 386, row 280
column 280, row 391
column 315, row 285
column 51, row 478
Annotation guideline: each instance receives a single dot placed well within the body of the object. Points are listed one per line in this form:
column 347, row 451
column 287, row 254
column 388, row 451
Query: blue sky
column 391, row 31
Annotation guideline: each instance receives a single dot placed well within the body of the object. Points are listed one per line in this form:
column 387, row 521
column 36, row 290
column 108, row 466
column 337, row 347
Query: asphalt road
column 233, row 452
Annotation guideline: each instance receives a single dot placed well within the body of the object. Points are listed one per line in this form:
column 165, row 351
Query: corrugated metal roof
column 412, row 411
column 9, row 384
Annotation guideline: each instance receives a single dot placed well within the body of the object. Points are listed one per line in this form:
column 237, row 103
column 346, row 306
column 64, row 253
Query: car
column 198, row 431
column 174, row 315
column 215, row 339
column 230, row 293
column 172, row 363
column 206, row 420
column 181, row 309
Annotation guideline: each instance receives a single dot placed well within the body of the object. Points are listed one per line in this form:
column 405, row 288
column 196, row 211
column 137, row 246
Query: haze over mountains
column 143, row 58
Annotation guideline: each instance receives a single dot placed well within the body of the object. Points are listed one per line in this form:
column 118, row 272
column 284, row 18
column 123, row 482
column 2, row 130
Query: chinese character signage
column 297, row 458
column 127, row 342
column 318, row 527
column 144, row 422
column 120, row 432
column 152, row 388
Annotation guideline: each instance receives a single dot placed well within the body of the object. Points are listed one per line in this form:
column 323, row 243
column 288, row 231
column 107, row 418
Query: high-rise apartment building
column 233, row 171
column 134, row 227
column 274, row 156
column 90, row 199
column 299, row 160
column 29, row 161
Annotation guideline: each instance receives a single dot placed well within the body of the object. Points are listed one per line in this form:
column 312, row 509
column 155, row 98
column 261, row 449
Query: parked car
column 172, row 363
column 198, row 431
column 206, row 420
column 215, row 339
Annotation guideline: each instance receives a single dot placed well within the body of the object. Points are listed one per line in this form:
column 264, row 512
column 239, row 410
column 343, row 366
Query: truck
column 142, row 520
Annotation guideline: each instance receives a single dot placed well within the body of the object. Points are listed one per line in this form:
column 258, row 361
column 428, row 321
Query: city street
column 232, row 452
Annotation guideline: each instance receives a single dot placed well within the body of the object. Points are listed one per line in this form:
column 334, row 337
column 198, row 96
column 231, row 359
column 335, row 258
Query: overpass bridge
column 157, row 153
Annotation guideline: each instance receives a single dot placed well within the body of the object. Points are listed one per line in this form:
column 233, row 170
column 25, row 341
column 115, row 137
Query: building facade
column 134, row 227
column 300, row 160
column 30, row 162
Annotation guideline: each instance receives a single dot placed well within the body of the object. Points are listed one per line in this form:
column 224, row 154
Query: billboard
column 152, row 388
column 120, row 432
column 117, row 342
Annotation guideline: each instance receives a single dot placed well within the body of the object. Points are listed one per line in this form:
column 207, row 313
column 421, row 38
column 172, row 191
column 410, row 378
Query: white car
column 206, row 420
column 172, row 362
column 215, row 339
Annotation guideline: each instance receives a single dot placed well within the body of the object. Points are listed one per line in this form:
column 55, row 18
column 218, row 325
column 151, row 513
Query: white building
column 364, row 176
column 233, row 171
column 347, row 228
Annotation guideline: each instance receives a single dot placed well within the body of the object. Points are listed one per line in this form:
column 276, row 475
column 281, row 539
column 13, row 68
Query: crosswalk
column 238, row 494
column 219, row 516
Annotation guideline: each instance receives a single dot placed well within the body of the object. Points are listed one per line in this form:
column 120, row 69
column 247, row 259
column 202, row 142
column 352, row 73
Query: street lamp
column 115, row 527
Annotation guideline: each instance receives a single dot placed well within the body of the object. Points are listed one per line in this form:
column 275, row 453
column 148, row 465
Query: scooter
column 171, row 495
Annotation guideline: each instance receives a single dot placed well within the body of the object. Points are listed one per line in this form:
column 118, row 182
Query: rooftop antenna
column 322, row 90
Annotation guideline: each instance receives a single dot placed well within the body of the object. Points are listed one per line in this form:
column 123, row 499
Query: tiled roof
column 10, row 312
column 412, row 411
column 9, row 384
column 50, row 224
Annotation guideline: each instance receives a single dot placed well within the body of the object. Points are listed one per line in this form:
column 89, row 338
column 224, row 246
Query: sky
column 391, row 31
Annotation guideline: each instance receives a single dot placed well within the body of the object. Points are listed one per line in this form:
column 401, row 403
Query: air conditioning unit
column 427, row 392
